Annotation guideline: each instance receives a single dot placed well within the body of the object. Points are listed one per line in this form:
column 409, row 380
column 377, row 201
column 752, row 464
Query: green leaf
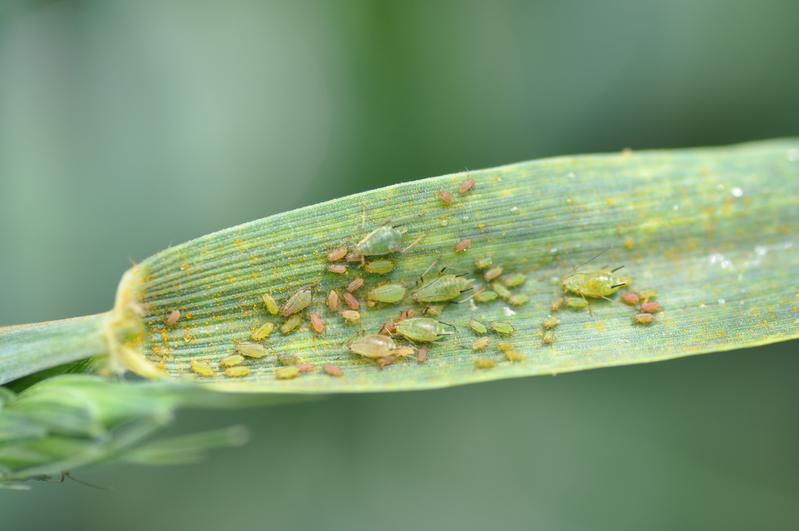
column 712, row 231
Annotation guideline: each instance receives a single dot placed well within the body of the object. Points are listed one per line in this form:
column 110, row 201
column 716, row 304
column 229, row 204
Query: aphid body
column 594, row 284
column 444, row 288
column 373, row 346
column 387, row 293
column 381, row 241
column 297, row 302
column 379, row 267
column 422, row 329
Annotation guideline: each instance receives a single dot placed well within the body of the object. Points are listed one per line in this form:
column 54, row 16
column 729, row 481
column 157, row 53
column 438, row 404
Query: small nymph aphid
column 270, row 304
column 337, row 254
column 463, row 245
column 287, row 373
column 251, row 350
column 556, row 304
column 643, row 318
column 297, row 302
column 332, row 300
column 576, row 303
column 316, row 323
column 232, row 360
column 598, row 284
column 291, row 324
column 445, row 197
column 630, row 298
column 485, row 296
column 332, row 370
column 422, row 329
column 518, row 299
column 373, row 346
column 478, row 327
column 480, row 344
column 502, row 328
column 513, row 356
column 288, row 360
column 350, row 316
column 201, row 368
column 355, row 285
column 484, row 363
column 650, row 307
column 338, row 269
column 387, row 293
column 379, row 267
column 466, row 186
column 550, row 323
column 500, row 289
column 492, row 273
column 513, row 280
column 385, row 361
column 483, row 263
column 173, row 318
column 548, row 338
column 262, row 332
column 421, row 354
column 351, row 301
column 434, row 310
column 237, row 372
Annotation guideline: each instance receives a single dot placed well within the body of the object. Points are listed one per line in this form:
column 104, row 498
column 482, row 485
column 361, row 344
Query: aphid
column 332, row 370
column 351, row 301
column 492, row 273
column 201, row 368
column 297, row 302
column 355, row 285
column 443, row 288
column 483, row 263
column 597, row 284
column 518, row 300
column 485, row 296
column 503, row 292
column 630, row 298
column 173, row 318
column 386, row 360
column 305, row 367
column 643, row 318
column 433, row 310
column 372, row 346
column 337, row 254
column 338, row 269
column 576, row 303
column 550, row 323
column 287, row 373
column 232, row 360
column 251, row 350
column 502, row 328
column 388, row 328
column 463, row 245
column 403, row 352
column 445, row 198
column 465, row 186
column 421, row 354
column 387, row 293
column 262, row 332
column 480, row 344
column 316, row 323
column 548, row 338
column 352, row 256
column 350, row 316
column 648, row 294
column 406, row 314
column 556, row 304
column 422, row 329
column 237, row 372
column 478, row 327
column 288, row 360
column 484, row 363
column 270, row 304
column 381, row 241
column 513, row 356
column 291, row 324
column 379, row 267
column 513, row 280
column 651, row 307
column 332, row 300
column 504, row 346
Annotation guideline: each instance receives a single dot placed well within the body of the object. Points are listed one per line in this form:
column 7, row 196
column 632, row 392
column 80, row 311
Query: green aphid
column 518, row 300
column 503, row 292
column 502, row 328
column 422, row 329
column 443, row 288
column 513, row 280
column 288, row 360
column 594, row 284
column 381, row 241
column 379, row 267
column 232, row 360
column 374, row 346
column 291, row 324
column 387, row 293
column 478, row 327
column 483, row 263
column 262, row 332
column 297, row 302
column 251, row 350
column 485, row 296
column 576, row 303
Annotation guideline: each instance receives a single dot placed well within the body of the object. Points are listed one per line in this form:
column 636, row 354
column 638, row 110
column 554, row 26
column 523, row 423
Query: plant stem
column 26, row 349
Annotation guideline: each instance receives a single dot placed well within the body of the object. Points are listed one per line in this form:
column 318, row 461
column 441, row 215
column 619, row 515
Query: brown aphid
column 466, row 186
column 445, row 198
column 351, row 301
column 300, row 300
column 651, row 307
column 403, row 352
column 406, row 314
column 421, row 354
column 332, row 300
column 306, row 367
column 315, row 323
column 352, row 256
column 237, row 372
column 332, row 370
column 287, row 373
column 173, row 318
column 643, row 318
column 388, row 328
column 338, row 269
column 386, row 360
column 356, row 284
column 484, row 363
column 337, row 254
column 556, row 304
column 630, row 298
column 463, row 245
column 492, row 273
column 350, row 316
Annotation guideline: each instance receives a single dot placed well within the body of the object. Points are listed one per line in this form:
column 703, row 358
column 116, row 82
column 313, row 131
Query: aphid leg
column 449, row 324
column 620, row 285
column 81, row 482
column 470, row 297
column 414, row 242
column 616, row 269
column 421, row 277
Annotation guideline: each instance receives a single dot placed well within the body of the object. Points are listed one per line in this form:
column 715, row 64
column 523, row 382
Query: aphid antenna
column 617, row 269
column 470, row 297
column 575, row 269
column 620, row 285
column 449, row 324
column 414, row 242
column 65, row 475
column 432, row 264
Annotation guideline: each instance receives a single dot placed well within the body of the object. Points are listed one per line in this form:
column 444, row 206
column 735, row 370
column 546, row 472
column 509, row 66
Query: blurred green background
column 127, row 126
